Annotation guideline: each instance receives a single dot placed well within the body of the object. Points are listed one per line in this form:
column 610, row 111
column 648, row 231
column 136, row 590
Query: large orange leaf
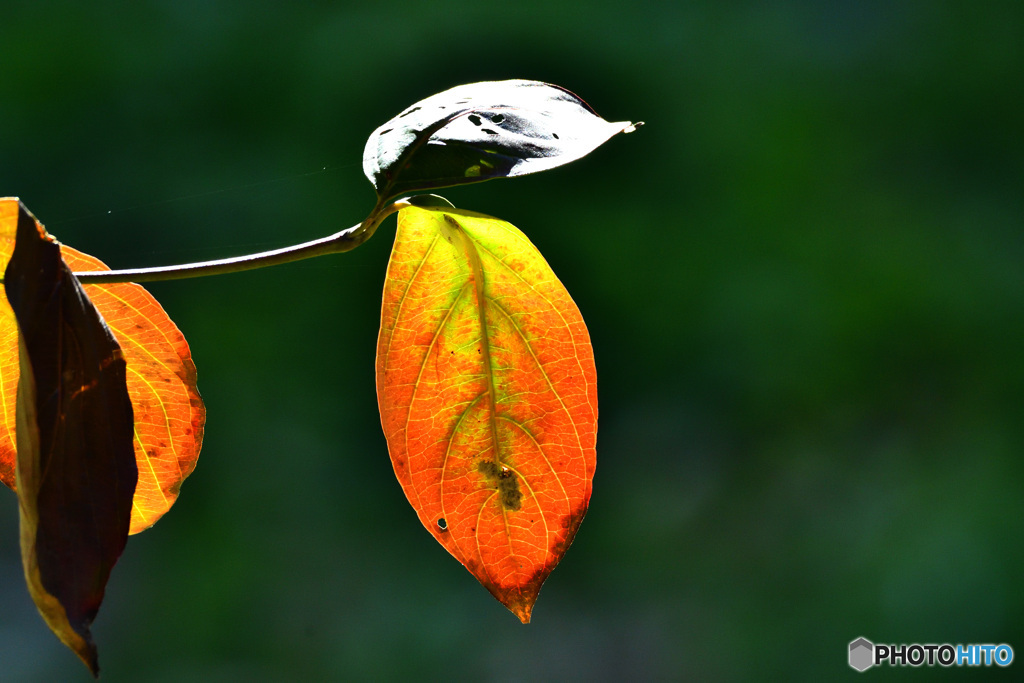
column 169, row 414
column 488, row 397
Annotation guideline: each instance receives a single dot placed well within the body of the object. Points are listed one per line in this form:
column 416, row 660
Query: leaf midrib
column 477, row 267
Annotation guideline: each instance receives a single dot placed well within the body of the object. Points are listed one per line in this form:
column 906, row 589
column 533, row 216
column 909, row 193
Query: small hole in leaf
column 475, row 119
column 489, row 131
column 497, row 118
column 442, row 524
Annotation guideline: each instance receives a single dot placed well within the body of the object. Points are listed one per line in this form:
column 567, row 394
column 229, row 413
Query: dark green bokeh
column 804, row 279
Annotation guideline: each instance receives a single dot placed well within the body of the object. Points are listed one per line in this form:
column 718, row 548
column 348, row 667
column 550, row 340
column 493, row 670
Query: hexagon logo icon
column 862, row 654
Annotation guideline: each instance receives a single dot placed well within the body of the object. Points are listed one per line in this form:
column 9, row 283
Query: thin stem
column 342, row 241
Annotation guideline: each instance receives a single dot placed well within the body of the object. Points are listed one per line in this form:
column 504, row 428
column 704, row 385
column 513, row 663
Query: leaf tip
column 631, row 127
column 85, row 648
column 91, row 659
column 524, row 612
column 519, row 600
column 75, row 636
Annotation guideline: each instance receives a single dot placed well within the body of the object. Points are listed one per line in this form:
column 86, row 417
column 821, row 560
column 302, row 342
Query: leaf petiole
column 345, row 240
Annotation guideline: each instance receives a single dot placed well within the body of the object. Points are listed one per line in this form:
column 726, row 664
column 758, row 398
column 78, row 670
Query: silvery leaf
column 481, row 131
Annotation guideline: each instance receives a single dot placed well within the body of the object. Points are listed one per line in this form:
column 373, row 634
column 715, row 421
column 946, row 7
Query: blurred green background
column 804, row 280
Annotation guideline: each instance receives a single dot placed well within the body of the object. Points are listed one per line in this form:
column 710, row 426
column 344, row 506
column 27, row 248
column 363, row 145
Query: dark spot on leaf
column 442, row 524
column 554, row 135
column 408, row 111
column 511, row 497
column 497, row 118
column 475, row 119
column 387, row 130
column 488, row 468
column 489, row 131
column 505, row 481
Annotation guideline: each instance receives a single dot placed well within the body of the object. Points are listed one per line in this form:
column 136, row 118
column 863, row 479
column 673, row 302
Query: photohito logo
column 864, row 654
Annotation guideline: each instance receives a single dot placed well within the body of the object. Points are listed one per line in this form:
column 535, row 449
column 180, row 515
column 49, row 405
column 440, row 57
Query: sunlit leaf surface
column 488, row 397
column 480, row 131
column 169, row 414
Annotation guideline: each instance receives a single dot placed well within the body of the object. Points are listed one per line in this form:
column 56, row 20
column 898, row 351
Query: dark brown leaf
column 76, row 470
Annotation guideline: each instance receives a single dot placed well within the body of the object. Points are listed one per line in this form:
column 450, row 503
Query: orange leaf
column 169, row 414
column 488, row 397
